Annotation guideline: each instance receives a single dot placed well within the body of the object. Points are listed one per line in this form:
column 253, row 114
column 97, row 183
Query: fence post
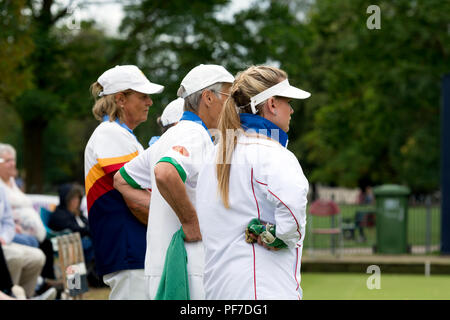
column 428, row 224
column 445, row 166
column 333, row 225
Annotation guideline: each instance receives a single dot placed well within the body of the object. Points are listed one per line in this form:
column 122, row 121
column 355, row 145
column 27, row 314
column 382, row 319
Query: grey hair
column 7, row 148
column 192, row 101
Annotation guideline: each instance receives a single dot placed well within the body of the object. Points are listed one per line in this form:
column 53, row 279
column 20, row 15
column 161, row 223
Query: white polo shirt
column 137, row 172
column 266, row 182
column 186, row 146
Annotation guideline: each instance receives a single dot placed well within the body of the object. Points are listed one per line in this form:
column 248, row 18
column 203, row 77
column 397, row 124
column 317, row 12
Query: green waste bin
column 391, row 218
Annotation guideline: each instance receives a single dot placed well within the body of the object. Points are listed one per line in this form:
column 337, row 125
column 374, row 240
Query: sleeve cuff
column 129, row 179
column 177, row 166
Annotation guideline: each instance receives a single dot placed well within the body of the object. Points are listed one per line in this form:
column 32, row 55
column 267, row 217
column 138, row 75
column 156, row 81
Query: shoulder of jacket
column 111, row 130
column 111, row 127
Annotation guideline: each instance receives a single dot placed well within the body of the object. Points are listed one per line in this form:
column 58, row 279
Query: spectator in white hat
column 252, row 184
column 176, row 159
column 117, row 227
column 170, row 117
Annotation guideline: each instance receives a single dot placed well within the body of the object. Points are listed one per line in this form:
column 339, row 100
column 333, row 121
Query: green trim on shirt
column 177, row 166
column 129, row 179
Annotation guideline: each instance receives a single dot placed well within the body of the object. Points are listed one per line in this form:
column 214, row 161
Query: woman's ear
column 120, row 98
column 272, row 108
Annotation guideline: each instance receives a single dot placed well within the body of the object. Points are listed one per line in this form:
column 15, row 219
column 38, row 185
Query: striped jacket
column 118, row 237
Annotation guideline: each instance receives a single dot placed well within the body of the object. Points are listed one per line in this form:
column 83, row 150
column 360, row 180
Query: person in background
column 117, row 227
column 30, row 229
column 68, row 216
column 365, row 195
column 364, row 217
column 24, row 263
column 170, row 117
column 9, row 291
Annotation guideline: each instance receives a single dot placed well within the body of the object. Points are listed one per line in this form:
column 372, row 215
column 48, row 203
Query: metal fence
column 357, row 224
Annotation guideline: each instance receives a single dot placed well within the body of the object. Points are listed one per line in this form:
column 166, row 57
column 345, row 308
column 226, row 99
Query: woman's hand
column 19, row 229
column 261, row 243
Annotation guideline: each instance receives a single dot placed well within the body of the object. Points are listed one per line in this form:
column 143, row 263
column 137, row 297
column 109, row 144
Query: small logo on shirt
column 182, row 150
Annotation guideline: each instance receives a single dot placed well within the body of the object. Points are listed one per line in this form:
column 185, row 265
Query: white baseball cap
column 126, row 77
column 281, row 89
column 173, row 112
column 203, row 76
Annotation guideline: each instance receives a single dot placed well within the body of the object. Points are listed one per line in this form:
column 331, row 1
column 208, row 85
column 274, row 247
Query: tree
column 276, row 33
column 15, row 46
column 374, row 112
column 376, row 116
column 61, row 66
column 15, row 76
column 168, row 38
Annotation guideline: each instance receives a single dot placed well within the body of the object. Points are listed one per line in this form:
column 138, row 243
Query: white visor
column 281, row 89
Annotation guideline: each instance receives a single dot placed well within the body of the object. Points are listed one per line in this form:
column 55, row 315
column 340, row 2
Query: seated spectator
column 26, row 218
column 9, row 291
column 24, row 263
column 29, row 228
column 68, row 216
column 6, row 283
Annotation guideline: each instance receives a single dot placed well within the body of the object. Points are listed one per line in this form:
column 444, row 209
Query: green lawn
column 349, row 286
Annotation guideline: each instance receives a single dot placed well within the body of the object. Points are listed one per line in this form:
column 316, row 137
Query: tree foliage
column 376, row 119
column 15, row 46
column 373, row 116
column 54, row 67
column 168, row 38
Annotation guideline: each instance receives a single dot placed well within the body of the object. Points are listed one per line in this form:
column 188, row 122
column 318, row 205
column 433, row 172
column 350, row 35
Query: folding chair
column 324, row 209
column 73, row 267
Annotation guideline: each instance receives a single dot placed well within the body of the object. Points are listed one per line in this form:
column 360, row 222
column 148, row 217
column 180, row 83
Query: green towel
column 174, row 284
column 267, row 232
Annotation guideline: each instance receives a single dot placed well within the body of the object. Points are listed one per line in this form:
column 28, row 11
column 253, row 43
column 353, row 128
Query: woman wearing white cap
column 251, row 198
column 118, row 228
column 170, row 117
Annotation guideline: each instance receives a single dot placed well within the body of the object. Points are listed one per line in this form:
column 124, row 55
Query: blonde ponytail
column 229, row 122
column 248, row 83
